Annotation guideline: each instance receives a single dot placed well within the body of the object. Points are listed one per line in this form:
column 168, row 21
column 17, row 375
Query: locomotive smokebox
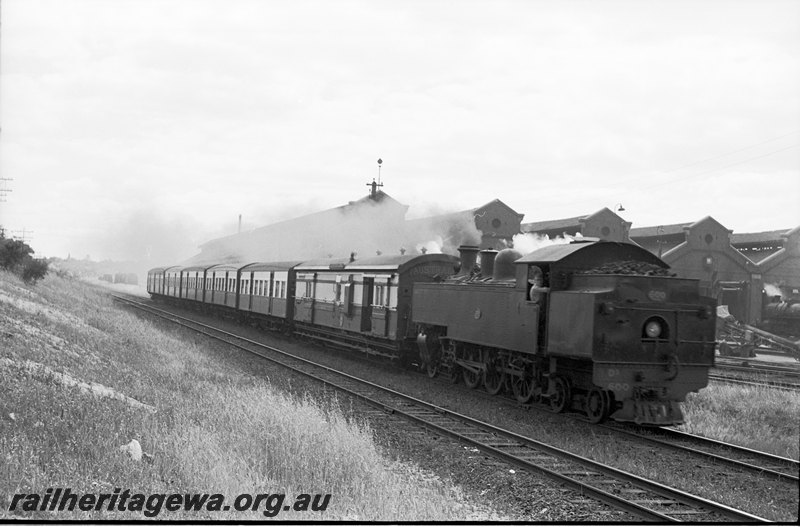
column 469, row 257
column 504, row 264
column 487, row 262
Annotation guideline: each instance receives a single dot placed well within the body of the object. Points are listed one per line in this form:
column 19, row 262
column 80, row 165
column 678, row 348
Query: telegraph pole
column 3, row 190
column 24, row 237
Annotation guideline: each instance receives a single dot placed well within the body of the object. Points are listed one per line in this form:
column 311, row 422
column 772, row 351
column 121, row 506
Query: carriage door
column 366, row 304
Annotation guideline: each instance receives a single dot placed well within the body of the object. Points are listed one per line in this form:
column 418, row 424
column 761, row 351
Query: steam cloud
column 529, row 242
column 364, row 227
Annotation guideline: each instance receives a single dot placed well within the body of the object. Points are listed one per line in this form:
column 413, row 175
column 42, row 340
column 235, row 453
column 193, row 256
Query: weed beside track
column 215, row 429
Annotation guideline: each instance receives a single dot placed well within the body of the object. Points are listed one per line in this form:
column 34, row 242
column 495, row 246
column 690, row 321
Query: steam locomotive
column 781, row 314
column 595, row 326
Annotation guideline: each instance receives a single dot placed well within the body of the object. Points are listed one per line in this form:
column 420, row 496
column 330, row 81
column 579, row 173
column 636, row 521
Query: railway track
column 643, row 498
column 743, row 458
column 756, row 366
column 756, row 383
column 717, row 451
column 752, row 372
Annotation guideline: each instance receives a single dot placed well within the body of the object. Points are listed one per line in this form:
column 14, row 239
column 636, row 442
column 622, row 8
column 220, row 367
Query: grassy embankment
column 211, row 428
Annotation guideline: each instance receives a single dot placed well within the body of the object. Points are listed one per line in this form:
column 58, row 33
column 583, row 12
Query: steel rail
column 782, row 473
column 789, row 387
column 759, row 368
column 505, row 445
column 783, row 464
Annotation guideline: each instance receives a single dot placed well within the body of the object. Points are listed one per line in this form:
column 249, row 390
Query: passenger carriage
column 221, row 285
column 193, row 282
column 366, row 303
column 266, row 290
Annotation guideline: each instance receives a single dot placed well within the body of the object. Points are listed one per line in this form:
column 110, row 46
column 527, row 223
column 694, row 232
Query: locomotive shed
column 698, row 509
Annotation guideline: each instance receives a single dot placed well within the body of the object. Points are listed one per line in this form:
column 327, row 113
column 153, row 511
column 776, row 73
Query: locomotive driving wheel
column 471, row 379
column 495, row 377
column 598, row 404
column 523, row 385
column 523, row 388
column 561, row 395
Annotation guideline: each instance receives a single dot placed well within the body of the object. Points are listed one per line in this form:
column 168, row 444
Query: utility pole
column 3, row 190
column 24, row 235
column 3, row 193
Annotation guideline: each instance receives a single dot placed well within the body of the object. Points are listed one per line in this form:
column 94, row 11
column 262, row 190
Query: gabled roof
column 671, row 230
column 498, row 202
column 380, row 198
column 759, row 237
column 660, row 230
column 550, row 225
column 464, row 213
column 564, row 224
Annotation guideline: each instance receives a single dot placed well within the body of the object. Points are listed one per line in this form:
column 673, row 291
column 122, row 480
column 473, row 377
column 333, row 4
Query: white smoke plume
column 430, row 247
column 528, row 242
column 364, row 227
column 772, row 290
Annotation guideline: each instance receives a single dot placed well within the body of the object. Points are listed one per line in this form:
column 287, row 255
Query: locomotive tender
column 597, row 326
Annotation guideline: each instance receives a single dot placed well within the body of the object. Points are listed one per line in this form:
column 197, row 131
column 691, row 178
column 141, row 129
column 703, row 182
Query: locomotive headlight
column 653, row 329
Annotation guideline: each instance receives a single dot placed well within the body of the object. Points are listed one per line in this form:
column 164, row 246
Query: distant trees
column 15, row 256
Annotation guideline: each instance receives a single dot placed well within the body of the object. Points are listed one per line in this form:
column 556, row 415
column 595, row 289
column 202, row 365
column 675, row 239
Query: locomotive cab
column 623, row 337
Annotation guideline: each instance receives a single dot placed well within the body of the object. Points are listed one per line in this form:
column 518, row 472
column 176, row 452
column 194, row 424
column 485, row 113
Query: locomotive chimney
column 469, row 256
column 487, row 262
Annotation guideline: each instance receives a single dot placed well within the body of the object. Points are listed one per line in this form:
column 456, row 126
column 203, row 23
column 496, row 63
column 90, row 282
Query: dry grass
column 755, row 417
column 215, row 429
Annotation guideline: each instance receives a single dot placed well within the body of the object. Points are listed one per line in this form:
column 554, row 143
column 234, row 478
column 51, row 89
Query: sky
column 142, row 129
